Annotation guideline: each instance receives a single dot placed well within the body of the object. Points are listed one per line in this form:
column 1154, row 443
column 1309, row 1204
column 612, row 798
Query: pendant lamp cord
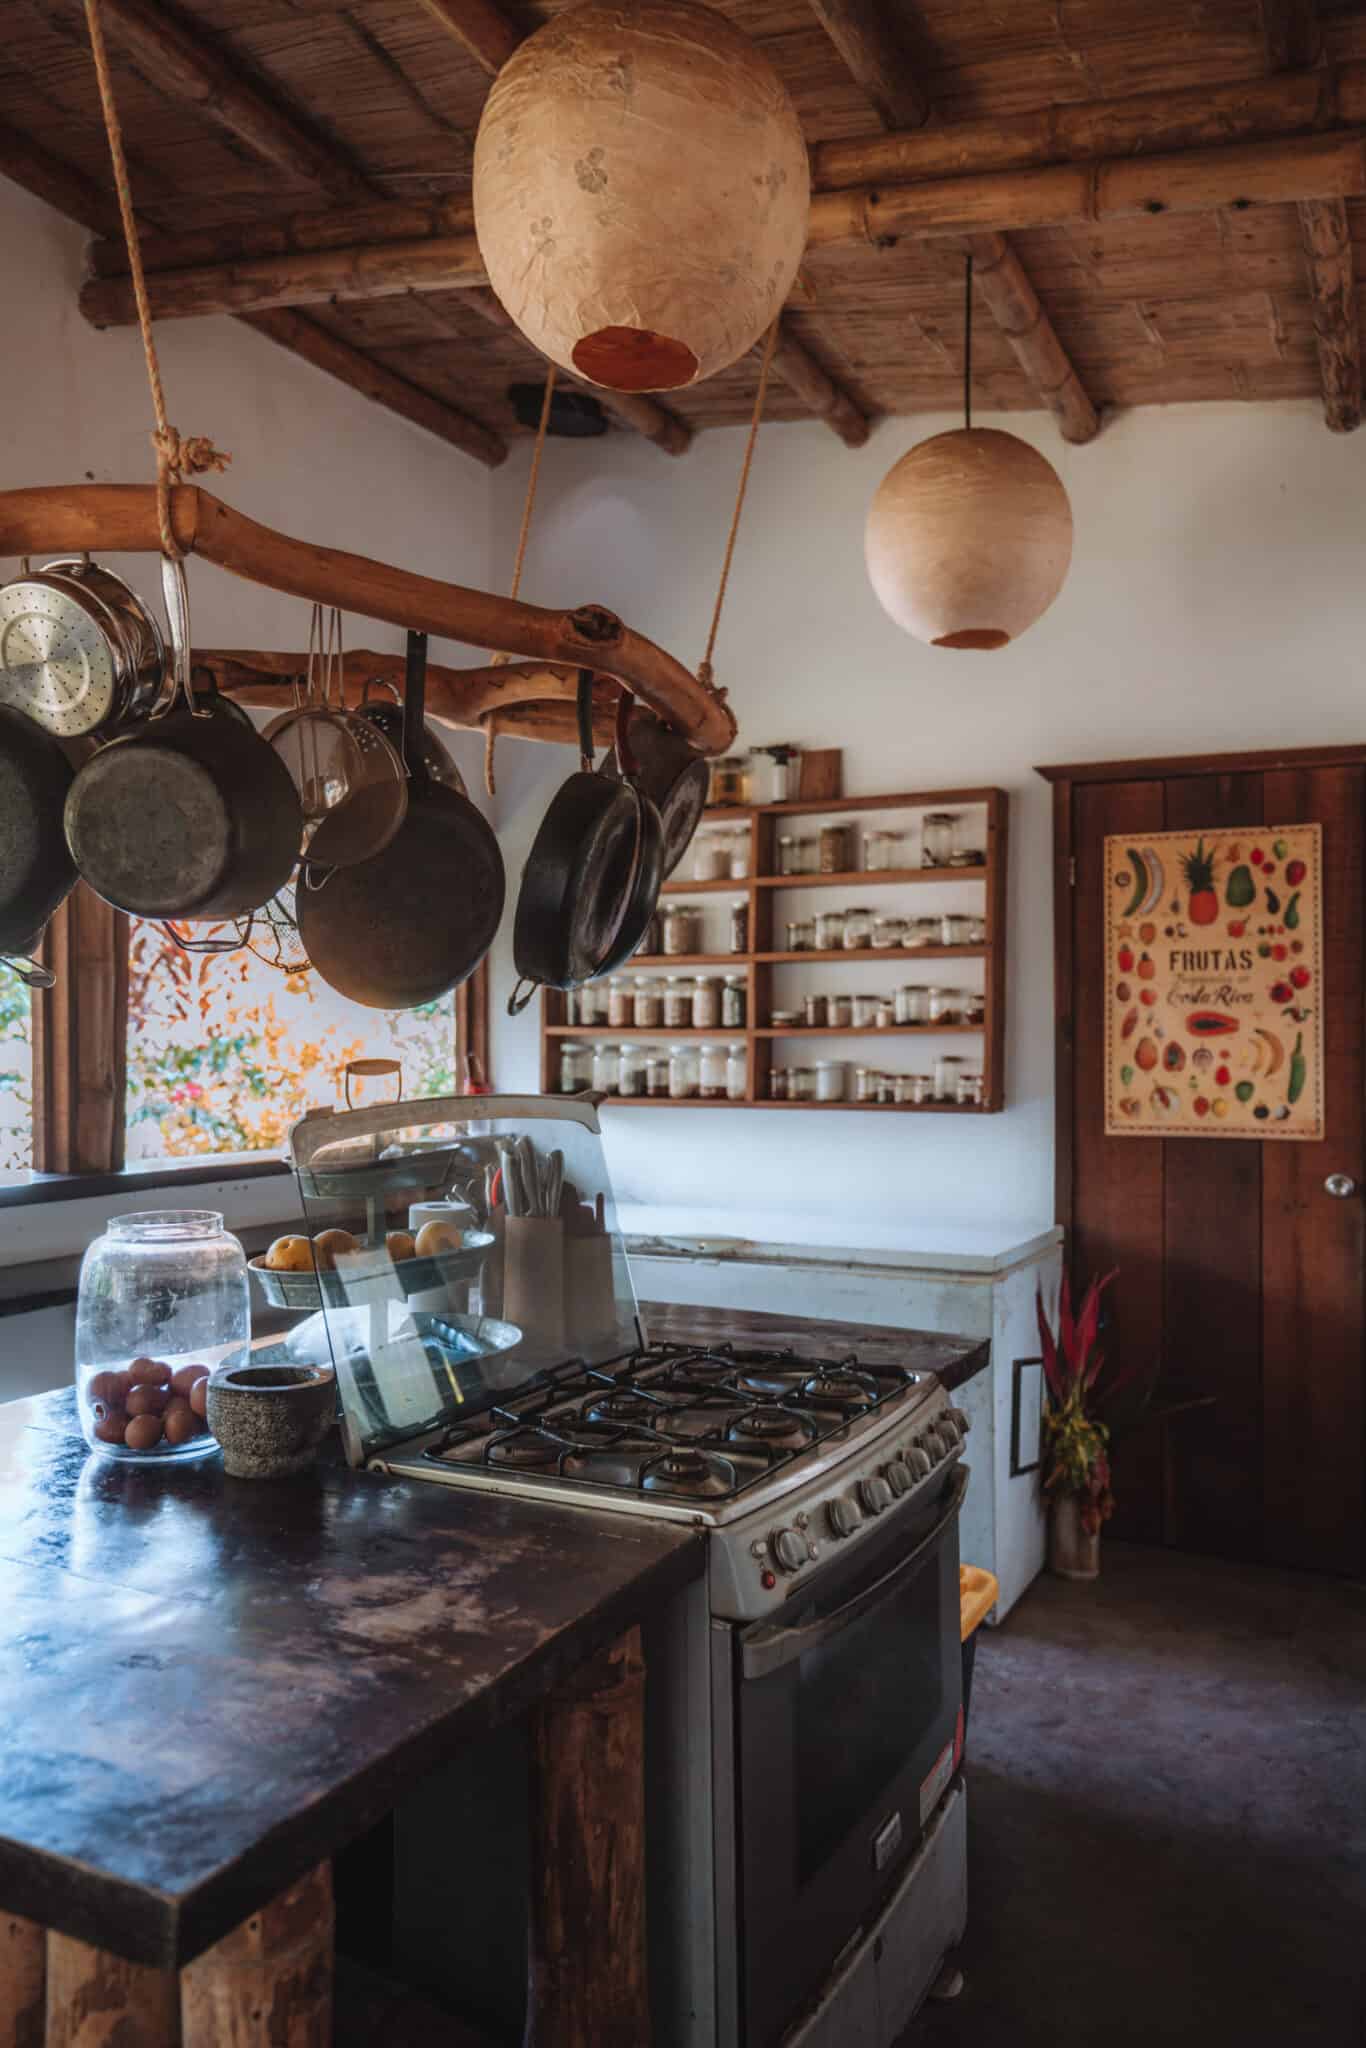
column 175, row 454
column 704, row 667
column 490, row 722
column 967, row 342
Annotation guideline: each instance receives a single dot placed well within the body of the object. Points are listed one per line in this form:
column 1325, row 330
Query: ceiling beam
column 816, row 388
column 383, row 220
column 1326, row 234
column 1291, row 34
column 479, row 27
column 179, row 63
column 64, row 188
column 865, row 34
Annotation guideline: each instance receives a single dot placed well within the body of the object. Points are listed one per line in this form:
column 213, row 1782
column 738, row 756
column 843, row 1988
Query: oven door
column 846, row 1723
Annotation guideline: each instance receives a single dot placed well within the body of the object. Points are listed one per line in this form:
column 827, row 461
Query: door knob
column 1340, row 1185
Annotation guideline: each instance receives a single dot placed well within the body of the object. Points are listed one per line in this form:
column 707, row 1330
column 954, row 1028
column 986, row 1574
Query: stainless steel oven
column 836, row 1734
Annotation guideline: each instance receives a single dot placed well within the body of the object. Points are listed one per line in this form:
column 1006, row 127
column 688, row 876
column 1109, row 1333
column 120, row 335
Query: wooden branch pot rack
column 979, row 890
column 122, row 519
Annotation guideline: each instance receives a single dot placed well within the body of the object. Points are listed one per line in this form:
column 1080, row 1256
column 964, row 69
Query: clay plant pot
column 1073, row 1551
column 270, row 1419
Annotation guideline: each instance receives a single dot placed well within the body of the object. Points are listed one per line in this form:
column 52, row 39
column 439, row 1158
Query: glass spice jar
column 620, row 1002
column 955, row 929
column 863, row 1011
column 895, row 844
column 576, row 1068
column 974, row 1006
column 865, row 1084
column 604, row 1069
column 830, row 1080
column 730, row 780
column 834, row 850
column 787, row 854
column 841, row 1012
column 946, row 1006
column 682, row 1073
column 711, row 854
column 829, row 930
column 657, row 1074
column 739, row 925
column 737, row 1076
column 921, row 931
column 914, row 1088
column 815, row 1012
column 947, row 1067
column 884, row 1015
column 680, row 928
column 912, row 1004
column 677, row 1004
column 858, row 930
column 885, row 1088
column 808, row 854
column 163, row 1300
column 737, row 863
column 977, row 931
column 733, row 1002
column 888, row 931
column 801, row 935
column 591, row 1003
column 784, row 1020
column 711, row 1072
column 801, row 1084
column 631, row 1070
column 777, row 1084
column 969, row 1089
column 706, row 1003
column 874, row 851
column 938, row 832
column 647, row 1003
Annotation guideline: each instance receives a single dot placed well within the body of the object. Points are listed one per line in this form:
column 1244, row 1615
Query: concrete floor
column 1167, row 1815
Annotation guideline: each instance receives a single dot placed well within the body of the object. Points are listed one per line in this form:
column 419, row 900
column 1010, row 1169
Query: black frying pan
column 414, row 922
column 649, row 873
column 37, row 872
column 674, row 775
column 580, row 874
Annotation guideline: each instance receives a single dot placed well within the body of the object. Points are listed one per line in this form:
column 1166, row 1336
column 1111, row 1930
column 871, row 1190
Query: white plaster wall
column 1216, row 601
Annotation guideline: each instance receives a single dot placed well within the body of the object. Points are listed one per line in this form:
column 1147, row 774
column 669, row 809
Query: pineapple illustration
column 1198, row 869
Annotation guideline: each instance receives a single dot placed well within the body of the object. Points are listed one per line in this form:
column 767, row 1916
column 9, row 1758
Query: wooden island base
column 268, row 1983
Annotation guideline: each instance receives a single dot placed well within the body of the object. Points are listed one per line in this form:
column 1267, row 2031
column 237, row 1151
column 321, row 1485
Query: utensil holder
column 533, row 1280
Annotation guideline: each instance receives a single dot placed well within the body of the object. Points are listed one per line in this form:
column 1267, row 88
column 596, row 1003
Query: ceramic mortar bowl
column 270, row 1419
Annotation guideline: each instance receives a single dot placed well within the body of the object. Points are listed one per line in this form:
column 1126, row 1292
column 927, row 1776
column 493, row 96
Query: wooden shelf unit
column 762, row 890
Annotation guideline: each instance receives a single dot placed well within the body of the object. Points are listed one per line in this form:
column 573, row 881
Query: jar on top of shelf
column 711, row 854
column 730, row 780
column 706, row 1002
column 620, row 1002
column 969, row 1089
column 734, row 994
column 784, row 1020
column 657, row 1074
column 938, row 838
column 863, row 1010
column 921, row 931
column 889, row 930
column 738, row 929
column 647, row 1003
column 914, row 1088
column 801, row 1084
column 977, row 931
column 947, row 1067
column 711, row 1072
column 592, row 1003
column 841, row 1011
column 801, row 934
column 777, row 1084
column 680, row 928
column 604, row 1069
column 974, row 1006
column 829, row 930
column 884, row 1016
column 737, row 860
column 788, row 854
column 834, row 850
column 576, row 1067
column 815, row 1012
column 631, row 1070
column 677, row 1003
column 858, row 929
column 831, row 1080
column 912, row 1004
column 865, row 1084
column 682, row 1072
column 955, row 929
column 737, row 1073
column 946, row 1006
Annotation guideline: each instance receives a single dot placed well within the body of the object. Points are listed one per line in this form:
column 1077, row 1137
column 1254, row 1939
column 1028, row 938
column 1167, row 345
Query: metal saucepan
column 649, row 873
column 674, row 775
column 37, row 872
column 79, row 651
column 580, row 874
column 415, row 922
column 195, row 817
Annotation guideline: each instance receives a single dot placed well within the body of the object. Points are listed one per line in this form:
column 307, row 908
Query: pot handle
column 626, row 759
column 583, row 710
column 414, row 706
column 175, row 591
column 228, row 945
column 517, row 1002
column 368, row 1070
column 31, row 972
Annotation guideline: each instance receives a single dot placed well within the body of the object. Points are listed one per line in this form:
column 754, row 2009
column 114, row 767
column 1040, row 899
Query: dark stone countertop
column 207, row 1685
column 955, row 1359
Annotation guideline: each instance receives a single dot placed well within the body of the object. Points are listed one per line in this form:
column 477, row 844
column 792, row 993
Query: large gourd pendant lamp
column 969, row 536
column 641, row 192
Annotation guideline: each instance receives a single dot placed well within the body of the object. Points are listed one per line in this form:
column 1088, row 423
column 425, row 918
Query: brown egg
column 148, row 1372
column 400, row 1245
column 290, row 1255
column 110, row 1423
column 143, row 1432
column 329, row 1244
column 435, row 1237
column 182, row 1381
column 107, row 1386
column 199, row 1397
column 145, row 1400
column 180, row 1421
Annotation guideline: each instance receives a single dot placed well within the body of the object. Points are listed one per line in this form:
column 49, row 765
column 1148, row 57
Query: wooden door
column 1239, row 1271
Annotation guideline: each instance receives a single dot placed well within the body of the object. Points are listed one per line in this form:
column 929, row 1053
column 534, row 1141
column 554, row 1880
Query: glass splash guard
column 466, row 1247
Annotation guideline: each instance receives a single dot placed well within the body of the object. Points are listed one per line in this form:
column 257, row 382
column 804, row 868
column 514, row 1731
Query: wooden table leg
column 23, row 1974
column 268, row 1984
column 97, row 2000
column 588, row 1985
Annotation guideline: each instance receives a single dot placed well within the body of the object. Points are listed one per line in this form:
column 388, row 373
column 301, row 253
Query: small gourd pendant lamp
column 641, row 192
column 969, row 536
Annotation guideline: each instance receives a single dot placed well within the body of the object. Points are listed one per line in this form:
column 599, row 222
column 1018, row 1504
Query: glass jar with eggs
column 163, row 1301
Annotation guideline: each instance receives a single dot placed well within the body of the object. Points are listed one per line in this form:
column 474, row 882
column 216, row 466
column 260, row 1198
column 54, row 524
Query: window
column 16, row 1077
column 226, row 1052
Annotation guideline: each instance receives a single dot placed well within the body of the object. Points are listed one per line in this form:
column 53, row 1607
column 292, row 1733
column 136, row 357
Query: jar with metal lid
column 738, row 930
column 730, row 780
column 865, row 1084
column 737, row 1073
column 801, row 1084
column 576, row 1067
column 711, row 1072
column 841, row 1011
column 652, row 943
column 938, row 836
column 801, row 934
column 706, row 1002
column 737, row 862
column 830, row 1080
column 682, row 1072
column 788, row 855
column 677, row 1004
column 913, row 1087
column 888, row 930
column 815, row 1012
column 604, row 1069
column 863, row 1011
column 829, row 930
column 620, row 1002
column 874, row 851
column 647, row 1003
column 680, row 928
column 834, row 850
column 947, row 1067
column 710, row 854
column 808, row 854
column 590, row 1004
column 921, row 931
column 912, row 1004
column 657, row 1073
column 974, row 1006
column 784, row 1020
column 777, row 1084
column 858, row 930
column 734, row 993
column 946, row 1006
column 885, row 1088
column 896, row 848
column 884, row 1014
column 955, row 929
column 163, row 1301
column 977, row 931
column 631, row 1070
column 969, row 1089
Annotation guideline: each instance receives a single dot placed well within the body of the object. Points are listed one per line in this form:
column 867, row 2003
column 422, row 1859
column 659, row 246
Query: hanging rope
column 528, row 507
column 967, row 342
column 704, row 667
column 175, row 454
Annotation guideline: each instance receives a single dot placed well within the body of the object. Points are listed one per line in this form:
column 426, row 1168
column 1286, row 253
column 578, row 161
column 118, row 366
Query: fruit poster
column 1214, row 983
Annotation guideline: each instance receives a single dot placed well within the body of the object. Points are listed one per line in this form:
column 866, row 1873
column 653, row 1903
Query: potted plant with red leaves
column 1076, row 1479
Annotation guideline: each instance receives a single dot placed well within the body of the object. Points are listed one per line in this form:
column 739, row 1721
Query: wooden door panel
column 1315, row 1397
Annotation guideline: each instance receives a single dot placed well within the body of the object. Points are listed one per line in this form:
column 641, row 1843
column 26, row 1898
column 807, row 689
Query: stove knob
column 900, row 1477
column 844, row 1517
column 918, row 1458
column 875, row 1494
column 789, row 1549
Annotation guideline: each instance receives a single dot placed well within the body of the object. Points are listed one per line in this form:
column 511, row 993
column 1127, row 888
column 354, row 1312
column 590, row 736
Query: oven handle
column 769, row 1649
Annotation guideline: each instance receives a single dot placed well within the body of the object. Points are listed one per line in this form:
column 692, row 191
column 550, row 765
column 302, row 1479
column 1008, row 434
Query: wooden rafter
column 818, row 391
column 479, row 27
column 870, row 42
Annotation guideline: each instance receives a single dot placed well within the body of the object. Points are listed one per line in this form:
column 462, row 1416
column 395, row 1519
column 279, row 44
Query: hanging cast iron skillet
column 414, row 922
column 674, row 775
column 649, row 874
column 37, row 872
column 580, row 874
